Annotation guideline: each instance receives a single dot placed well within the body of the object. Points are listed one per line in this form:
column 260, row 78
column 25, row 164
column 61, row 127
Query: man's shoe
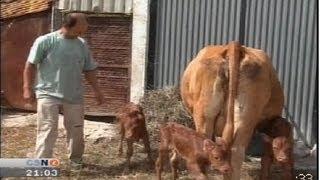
column 75, row 167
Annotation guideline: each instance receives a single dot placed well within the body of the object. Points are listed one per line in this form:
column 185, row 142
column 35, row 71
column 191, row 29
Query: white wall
column 140, row 32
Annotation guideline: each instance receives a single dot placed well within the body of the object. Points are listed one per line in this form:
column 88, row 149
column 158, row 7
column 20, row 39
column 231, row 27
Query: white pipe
column 52, row 16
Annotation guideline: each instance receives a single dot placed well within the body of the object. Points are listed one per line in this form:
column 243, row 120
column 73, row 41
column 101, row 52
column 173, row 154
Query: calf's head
column 135, row 111
column 133, row 128
column 135, row 122
column 218, row 155
column 281, row 147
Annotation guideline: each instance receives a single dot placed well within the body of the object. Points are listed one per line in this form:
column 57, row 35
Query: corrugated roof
column 17, row 8
column 98, row 6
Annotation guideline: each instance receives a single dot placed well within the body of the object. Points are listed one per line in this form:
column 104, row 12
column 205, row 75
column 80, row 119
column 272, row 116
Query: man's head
column 218, row 154
column 75, row 24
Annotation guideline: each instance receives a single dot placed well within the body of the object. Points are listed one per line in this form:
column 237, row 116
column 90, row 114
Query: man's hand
column 28, row 79
column 91, row 78
column 28, row 95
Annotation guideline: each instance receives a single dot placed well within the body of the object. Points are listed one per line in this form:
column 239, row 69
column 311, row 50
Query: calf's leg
column 121, row 140
column 288, row 171
column 147, row 145
column 129, row 151
column 174, row 165
column 266, row 161
column 163, row 153
column 196, row 171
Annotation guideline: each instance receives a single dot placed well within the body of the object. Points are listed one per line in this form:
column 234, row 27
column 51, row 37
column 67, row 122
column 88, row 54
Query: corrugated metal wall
column 186, row 26
column 285, row 29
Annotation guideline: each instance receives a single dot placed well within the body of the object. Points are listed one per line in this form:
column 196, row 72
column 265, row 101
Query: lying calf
column 278, row 147
column 133, row 128
column 197, row 150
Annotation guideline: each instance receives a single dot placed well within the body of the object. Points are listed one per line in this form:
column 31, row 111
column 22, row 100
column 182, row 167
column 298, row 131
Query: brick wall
column 109, row 39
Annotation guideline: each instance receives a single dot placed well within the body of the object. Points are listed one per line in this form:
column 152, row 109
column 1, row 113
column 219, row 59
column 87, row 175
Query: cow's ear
column 208, row 145
column 266, row 138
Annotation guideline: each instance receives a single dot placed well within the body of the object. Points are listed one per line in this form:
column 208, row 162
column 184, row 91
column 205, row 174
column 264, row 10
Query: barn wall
column 17, row 36
column 285, row 29
column 186, row 26
column 109, row 39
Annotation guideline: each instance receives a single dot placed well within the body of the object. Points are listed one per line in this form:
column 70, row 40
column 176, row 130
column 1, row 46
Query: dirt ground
column 101, row 160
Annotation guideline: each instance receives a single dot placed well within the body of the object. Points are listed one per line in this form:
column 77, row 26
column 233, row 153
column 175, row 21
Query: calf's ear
column 221, row 142
column 208, row 145
column 266, row 138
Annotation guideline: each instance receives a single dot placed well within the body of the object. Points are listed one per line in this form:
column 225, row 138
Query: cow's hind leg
column 241, row 141
column 210, row 111
column 246, row 118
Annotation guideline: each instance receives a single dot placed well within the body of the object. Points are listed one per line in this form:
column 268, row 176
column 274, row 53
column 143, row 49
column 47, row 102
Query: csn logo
column 43, row 162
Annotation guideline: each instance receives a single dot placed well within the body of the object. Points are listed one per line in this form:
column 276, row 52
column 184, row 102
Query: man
column 58, row 60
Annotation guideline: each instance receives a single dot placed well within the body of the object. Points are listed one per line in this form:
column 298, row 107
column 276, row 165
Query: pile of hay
column 158, row 104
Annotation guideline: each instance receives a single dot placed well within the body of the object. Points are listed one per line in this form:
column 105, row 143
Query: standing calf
column 133, row 128
column 196, row 149
column 278, row 147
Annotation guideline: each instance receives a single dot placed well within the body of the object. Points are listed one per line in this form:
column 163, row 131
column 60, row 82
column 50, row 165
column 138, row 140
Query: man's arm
column 92, row 79
column 28, row 81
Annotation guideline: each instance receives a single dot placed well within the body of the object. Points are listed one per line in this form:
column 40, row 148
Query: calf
column 198, row 151
column 133, row 128
column 278, row 147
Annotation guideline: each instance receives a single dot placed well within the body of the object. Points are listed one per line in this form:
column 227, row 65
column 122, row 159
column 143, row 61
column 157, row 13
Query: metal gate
column 285, row 29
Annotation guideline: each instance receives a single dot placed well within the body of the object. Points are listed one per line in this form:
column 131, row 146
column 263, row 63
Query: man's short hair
column 70, row 20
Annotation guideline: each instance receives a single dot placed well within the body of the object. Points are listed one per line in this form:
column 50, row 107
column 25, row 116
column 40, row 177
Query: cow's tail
column 234, row 51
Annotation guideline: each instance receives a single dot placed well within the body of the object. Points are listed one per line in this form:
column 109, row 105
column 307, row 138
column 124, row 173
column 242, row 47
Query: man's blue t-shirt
column 60, row 63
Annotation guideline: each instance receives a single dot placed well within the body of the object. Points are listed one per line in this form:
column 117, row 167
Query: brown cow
column 133, row 128
column 278, row 147
column 205, row 93
column 198, row 151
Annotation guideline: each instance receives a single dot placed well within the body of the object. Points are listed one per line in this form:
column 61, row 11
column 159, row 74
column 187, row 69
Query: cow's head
column 281, row 147
column 218, row 154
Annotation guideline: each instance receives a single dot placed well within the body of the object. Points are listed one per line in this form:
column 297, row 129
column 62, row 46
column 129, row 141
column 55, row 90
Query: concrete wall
column 140, row 33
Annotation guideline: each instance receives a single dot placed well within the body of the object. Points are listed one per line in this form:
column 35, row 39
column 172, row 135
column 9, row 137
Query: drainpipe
column 52, row 16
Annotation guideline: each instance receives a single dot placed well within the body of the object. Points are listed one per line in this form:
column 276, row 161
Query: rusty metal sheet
column 23, row 7
column 17, row 36
column 109, row 39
